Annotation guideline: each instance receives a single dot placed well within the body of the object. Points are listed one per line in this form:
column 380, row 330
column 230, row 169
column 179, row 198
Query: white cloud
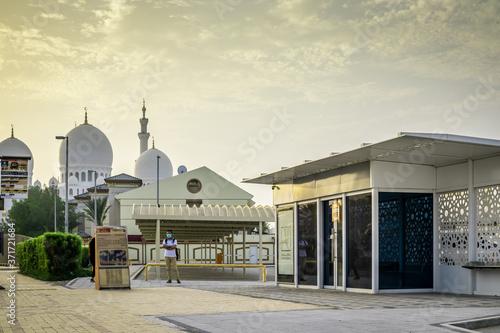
column 107, row 20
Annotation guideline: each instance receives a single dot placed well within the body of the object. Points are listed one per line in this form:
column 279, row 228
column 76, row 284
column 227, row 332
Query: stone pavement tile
column 331, row 320
column 40, row 306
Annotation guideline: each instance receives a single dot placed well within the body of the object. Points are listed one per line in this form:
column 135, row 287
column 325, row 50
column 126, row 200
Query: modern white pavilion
column 419, row 212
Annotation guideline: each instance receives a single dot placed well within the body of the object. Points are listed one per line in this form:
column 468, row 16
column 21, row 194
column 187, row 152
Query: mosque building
column 89, row 151
column 210, row 206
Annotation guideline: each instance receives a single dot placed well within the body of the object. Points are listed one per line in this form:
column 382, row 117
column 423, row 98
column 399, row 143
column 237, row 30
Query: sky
column 245, row 87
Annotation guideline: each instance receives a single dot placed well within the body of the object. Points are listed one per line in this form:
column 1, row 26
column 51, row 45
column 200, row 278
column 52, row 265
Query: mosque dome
column 53, row 181
column 13, row 147
column 88, row 147
column 37, row 183
column 145, row 166
column 73, row 181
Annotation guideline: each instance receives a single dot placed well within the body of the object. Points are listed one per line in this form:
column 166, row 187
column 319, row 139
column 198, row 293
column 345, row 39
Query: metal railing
column 264, row 272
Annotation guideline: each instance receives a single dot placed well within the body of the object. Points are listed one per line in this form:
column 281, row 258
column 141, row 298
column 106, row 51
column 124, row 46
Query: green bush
column 52, row 256
column 85, row 257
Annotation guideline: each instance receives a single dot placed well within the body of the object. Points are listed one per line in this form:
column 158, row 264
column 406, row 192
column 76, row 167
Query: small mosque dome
column 73, row 181
column 53, row 182
column 145, row 166
column 37, row 183
column 14, row 147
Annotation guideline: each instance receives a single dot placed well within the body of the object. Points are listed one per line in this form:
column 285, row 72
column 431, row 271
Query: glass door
column 333, row 269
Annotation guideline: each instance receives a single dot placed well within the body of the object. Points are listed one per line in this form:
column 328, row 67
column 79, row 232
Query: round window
column 194, row 185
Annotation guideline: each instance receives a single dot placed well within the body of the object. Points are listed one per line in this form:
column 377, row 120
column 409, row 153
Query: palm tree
column 102, row 210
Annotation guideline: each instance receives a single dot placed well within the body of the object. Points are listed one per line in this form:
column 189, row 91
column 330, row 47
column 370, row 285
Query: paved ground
column 210, row 301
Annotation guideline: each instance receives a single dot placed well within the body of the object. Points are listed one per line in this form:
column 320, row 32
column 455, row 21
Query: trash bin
column 219, row 258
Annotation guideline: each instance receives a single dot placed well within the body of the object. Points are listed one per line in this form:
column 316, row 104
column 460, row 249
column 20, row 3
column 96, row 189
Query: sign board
column 112, row 263
column 14, row 177
column 286, row 242
column 335, row 212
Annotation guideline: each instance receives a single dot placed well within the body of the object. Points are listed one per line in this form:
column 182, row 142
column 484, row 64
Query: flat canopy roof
column 412, row 148
column 199, row 223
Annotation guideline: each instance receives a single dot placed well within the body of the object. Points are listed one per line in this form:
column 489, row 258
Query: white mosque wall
column 81, row 182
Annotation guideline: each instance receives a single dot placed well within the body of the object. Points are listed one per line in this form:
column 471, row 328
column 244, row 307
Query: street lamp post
column 55, row 209
column 158, row 180
column 66, row 181
column 95, row 195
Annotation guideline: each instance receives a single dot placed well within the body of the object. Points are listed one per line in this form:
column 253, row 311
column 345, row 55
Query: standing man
column 170, row 246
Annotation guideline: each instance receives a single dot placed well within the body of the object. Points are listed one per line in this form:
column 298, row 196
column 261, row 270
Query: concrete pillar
column 472, row 241
column 232, row 250
column 261, row 271
column 244, row 250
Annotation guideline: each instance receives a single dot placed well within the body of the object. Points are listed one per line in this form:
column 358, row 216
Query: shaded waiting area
column 208, row 224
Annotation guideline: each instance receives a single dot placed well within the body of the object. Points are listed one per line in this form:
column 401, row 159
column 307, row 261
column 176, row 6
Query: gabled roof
column 100, row 188
column 82, row 196
column 123, row 178
column 411, row 148
column 213, row 187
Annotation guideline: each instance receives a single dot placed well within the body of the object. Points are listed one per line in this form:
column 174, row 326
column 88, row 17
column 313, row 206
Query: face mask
column 169, row 235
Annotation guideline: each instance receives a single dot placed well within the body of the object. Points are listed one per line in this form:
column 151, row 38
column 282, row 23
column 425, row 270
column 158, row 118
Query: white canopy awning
column 411, row 148
column 203, row 222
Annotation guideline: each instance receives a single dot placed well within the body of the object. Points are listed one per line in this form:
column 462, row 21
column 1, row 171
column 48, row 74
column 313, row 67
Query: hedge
column 52, row 256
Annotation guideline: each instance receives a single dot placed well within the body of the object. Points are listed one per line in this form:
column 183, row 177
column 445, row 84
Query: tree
column 265, row 228
column 35, row 215
column 102, row 210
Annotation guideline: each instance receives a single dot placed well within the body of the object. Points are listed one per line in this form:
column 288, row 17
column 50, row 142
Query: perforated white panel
column 453, row 227
column 488, row 223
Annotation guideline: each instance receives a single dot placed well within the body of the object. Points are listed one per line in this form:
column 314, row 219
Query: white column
column 320, row 244
column 296, row 245
column 344, row 242
column 276, row 239
column 244, row 250
column 472, row 243
column 232, row 250
column 261, row 271
column 435, row 222
column 210, row 251
column 375, row 246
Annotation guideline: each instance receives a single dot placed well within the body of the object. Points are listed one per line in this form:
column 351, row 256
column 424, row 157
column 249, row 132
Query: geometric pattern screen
column 405, row 240
column 488, row 223
column 453, row 224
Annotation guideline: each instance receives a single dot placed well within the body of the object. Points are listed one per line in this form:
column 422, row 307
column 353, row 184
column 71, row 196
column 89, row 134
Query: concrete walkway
column 234, row 305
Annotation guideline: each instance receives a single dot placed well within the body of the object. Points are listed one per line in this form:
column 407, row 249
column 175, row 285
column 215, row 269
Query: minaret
column 144, row 135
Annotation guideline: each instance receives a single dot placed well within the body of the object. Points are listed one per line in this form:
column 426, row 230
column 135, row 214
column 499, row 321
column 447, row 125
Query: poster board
column 14, row 177
column 112, row 265
column 286, row 242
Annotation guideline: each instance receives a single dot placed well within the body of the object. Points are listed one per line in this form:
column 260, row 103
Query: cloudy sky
column 244, row 86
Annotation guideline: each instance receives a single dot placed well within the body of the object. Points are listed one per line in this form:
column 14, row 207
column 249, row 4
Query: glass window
column 285, row 244
column 90, row 176
column 405, row 240
column 194, row 185
column 308, row 261
column 83, row 177
column 359, row 242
